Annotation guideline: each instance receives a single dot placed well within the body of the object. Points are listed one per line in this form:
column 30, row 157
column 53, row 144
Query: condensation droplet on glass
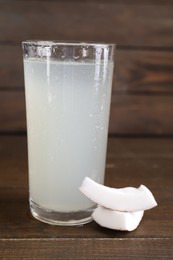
column 91, row 115
column 50, row 98
column 85, row 53
column 52, row 158
column 93, row 139
column 76, row 57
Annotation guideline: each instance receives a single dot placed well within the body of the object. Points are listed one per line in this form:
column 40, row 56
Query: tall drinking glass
column 68, row 92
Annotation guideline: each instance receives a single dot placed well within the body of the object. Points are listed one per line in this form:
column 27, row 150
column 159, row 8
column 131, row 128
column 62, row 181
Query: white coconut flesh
column 128, row 199
column 125, row 221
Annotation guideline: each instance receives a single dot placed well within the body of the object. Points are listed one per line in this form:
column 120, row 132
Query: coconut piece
column 119, row 199
column 126, row 221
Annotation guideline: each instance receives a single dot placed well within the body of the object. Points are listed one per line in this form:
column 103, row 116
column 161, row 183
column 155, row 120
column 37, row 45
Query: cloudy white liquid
column 67, row 121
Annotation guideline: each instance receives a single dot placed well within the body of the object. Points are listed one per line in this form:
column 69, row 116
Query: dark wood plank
column 11, row 67
column 12, row 111
column 130, row 114
column 128, row 25
column 130, row 162
column 87, row 249
column 128, row 2
column 143, row 72
column 134, row 114
column 135, row 70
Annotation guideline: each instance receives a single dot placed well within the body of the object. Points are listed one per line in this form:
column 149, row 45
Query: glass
column 68, row 92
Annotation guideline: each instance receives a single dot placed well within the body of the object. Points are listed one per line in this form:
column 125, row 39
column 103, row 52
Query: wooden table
column 130, row 162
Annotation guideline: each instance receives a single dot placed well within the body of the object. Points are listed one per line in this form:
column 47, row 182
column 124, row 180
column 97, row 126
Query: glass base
column 61, row 218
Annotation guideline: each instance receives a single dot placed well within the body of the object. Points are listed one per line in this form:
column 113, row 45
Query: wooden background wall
column 142, row 98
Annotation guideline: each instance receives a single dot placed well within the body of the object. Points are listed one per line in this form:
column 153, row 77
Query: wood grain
column 12, row 111
column 11, row 67
column 127, row 25
column 134, row 114
column 130, row 162
column 87, row 249
column 143, row 72
column 126, row 2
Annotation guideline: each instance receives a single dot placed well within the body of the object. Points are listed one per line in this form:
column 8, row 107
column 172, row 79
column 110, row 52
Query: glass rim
column 67, row 43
